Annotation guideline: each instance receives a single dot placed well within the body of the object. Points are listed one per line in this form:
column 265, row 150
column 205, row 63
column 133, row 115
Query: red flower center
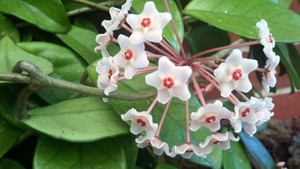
column 271, row 38
column 210, row 119
column 168, row 82
column 110, row 73
column 128, row 54
column 237, row 74
column 146, row 22
column 245, row 112
column 141, row 122
column 216, row 142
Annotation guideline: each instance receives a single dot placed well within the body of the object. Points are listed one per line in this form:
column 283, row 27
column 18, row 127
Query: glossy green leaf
column 40, row 13
column 235, row 157
column 67, row 66
column 259, row 154
column 8, row 137
column 72, row 5
column 130, row 149
column 7, row 28
column 85, row 23
column 173, row 131
column 165, row 166
column 10, row 54
column 241, row 16
column 50, row 154
column 283, row 3
column 168, row 31
column 207, row 37
column 78, row 120
column 82, row 41
column 10, row 164
column 283, row 52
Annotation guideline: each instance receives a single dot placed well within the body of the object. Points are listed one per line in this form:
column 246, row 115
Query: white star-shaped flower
column 266, row 38
column 170, row 80
column 160, row 147
column 220, row 139
column 140, row 121
column 233, row 73
column 131, row 57
column 210, row 116
column 187, row 150
column 253, row 113
column 269, row 79
column 148, row 25
column 108, row 75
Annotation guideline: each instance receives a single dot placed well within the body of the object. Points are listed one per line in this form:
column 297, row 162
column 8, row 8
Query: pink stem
column 198, row 90
column 175, row 31
column 225, row 47
column 175, row 54
column 146, row 70
column 152, row 105
column 162, row 119
column 187, row 124
column 243, row 95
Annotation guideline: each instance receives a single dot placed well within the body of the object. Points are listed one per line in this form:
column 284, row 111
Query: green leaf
column 8, row 137
column 84, row 23
column 51, row 154
column 235, row 157
column 283, row 3
column 283, row 52
column 130, row 149
column 207, row 37
column 10, row 164
column 10, row 54
column 39, row 13
column 259, row 154
column 67, row 66
column 241, row 16
column 78, row 120
column 173, row 131
column 82, row 41
column 168, row 31
column 164, row 166
column 7, row 28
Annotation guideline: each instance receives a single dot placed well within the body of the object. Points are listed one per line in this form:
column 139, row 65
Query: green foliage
column 10, row 164
column 240, row 17
column 235, row 157
column 77, row 120
column 7, row 28
column 39, row 13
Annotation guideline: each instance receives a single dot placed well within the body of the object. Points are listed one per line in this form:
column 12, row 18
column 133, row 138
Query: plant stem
column 37, row 80
column 93, row 5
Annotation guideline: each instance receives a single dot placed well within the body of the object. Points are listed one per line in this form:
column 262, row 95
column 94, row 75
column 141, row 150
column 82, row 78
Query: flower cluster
column 177, row 75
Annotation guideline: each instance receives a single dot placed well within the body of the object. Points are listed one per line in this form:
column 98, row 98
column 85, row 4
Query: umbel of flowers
column 177, row 75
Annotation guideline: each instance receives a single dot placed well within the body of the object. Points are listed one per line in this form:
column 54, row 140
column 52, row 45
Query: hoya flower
column 160, row 147
column 148, row 25
column 269, row 79
column 233, row 73
column 108, row 75
column 186, row 150
column 253, row 113
column 140, row 121
column 143, row 141
column 170, row 80
column 210, row 116
column 220, row 139
column 103, row 40
column 131, row 57
column 266, row 38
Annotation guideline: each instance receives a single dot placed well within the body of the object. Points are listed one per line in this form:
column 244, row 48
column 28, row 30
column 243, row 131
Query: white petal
column 244, row 85
column 182, row 92
column 154, row 35
column 222, row 72
column 123, row 42
column 165, row 65
column 182, row 73
column 162, row 19
column 153, row 79
column 137, row 36
column 163, row 96
column 149, row 9
column 226, row 88
column 133, row 20
column 249, row 65
column 235, row 58
column 129, row 71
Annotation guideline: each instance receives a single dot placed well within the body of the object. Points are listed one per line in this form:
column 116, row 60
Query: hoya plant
column 140, row 84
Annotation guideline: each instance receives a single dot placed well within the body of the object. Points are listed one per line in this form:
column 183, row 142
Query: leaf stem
column 37, row 80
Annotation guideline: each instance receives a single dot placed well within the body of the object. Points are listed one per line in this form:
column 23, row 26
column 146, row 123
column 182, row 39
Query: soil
column 282, row 139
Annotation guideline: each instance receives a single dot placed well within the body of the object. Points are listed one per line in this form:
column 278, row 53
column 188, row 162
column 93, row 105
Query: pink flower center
column 141, row 122
column 245, row 112
column 271, row 40
column 146, row 22
column 237, row 74
column 128, row 54
column 110, row 73
column 210, row 119
column 189, row 150
column 168, row 82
